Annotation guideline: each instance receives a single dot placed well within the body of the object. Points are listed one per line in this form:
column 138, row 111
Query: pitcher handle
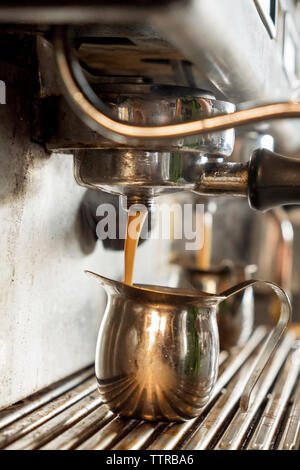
column 272, row 340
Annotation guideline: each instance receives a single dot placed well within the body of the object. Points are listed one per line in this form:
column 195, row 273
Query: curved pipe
column 94, row 112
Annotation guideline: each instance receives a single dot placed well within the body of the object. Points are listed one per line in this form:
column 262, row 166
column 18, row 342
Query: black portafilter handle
column 273, row 180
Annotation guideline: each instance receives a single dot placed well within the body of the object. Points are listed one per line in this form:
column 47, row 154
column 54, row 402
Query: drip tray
column 70, row 414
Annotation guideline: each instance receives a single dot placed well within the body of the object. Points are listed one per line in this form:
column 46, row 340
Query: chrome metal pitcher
column 158, row 349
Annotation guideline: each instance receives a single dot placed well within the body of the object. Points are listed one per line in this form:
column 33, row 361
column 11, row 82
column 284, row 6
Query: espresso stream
column 133, row 230
column 134, row 227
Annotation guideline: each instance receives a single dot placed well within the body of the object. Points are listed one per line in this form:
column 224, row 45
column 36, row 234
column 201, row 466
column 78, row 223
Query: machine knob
column 273, row 180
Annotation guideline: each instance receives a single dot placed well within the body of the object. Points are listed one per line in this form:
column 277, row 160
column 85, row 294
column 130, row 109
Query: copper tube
column 91, row 109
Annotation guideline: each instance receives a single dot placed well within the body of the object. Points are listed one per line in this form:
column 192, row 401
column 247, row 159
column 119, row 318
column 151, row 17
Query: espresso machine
column 142, row 104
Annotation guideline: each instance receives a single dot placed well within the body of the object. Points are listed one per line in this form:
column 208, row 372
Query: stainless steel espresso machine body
column 148, row 102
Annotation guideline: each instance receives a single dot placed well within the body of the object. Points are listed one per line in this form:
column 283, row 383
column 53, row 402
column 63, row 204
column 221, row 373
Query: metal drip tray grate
column 70, row 415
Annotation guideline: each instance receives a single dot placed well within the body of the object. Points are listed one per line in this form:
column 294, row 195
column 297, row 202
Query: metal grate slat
column 70, row 414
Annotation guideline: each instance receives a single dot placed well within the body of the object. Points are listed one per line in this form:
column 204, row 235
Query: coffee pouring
column 157, row 352
column 189, row 110
column 177, row 143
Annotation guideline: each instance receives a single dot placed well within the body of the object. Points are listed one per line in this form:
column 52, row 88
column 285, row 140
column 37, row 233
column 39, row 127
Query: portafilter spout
column 268, row 179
